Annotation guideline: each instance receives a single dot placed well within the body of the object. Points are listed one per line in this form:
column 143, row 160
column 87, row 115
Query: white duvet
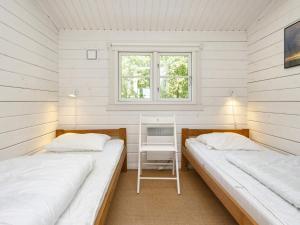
column 35, row 190
column 280, row 173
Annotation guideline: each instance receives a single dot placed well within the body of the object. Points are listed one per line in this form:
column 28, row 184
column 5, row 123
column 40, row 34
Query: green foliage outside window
column 174, row 77
column 136, row 73
column 135, row 76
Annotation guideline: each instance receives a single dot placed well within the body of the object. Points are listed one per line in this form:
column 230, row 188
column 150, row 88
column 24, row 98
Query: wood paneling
column 154, row 15
column 224, row 68
column 274, row 92
column 28, row 78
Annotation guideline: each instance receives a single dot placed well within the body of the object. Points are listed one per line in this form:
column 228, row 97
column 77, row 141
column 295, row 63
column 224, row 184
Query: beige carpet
column 159, row 204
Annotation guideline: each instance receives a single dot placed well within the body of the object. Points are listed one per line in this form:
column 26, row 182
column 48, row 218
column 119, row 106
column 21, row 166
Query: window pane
column 135, row 65
column 174, row 77
column 135, row 88
column 174, row 88
column 174, row 65
column 135, row 76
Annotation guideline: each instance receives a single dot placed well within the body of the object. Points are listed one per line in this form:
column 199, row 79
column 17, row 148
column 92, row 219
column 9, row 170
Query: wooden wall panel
column 28, row 78
column 274, row 92
column 223, row 68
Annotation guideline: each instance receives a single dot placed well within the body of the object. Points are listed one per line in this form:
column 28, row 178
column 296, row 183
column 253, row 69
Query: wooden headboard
column 119, row 133
column 187, row 133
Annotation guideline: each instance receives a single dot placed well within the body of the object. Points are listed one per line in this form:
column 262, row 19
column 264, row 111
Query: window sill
column 154, row 107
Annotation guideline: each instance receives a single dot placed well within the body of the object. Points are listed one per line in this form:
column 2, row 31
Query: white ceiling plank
column 75, row 14
column 56, row 10
column 131, row 14
column 241, row 24
column 60, row 12
column 195, row 18
column 124, row 12
column 147, row 15
column 111, row 14
column 200, row 16
column 215, row 20
column 140, row 14
column 204, row 15
column 230, row 9
column 88, row 12
column 41, row 6
column 169, row 14
column 163, row 10
column 102, row 14
column 193, row 12
column 274, row 9
column 190, row 15
column 94, row 14
column 233, row 16
column 68, row 8
column 249, row 19
column 46, row 8
column 82, row 14
column 118, row 14
column 173, row 12
column 211, row 14
column 65, row 15
column 135, row 14
column 181, row 15
column 154, row 15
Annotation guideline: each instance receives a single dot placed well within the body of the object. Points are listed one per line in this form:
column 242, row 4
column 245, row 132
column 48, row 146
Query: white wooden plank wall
column 28, row 78
column 223, row 68
column 274, row 92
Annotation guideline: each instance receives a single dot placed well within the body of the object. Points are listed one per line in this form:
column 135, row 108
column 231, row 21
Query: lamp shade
column 74, row 94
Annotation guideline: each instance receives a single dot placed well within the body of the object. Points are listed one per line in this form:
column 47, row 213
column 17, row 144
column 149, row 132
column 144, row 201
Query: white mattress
column 266, row 207
column 86, row 204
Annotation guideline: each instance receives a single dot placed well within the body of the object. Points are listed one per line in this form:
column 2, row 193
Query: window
column 155, row 77
column 174, row 76
column 135, row 72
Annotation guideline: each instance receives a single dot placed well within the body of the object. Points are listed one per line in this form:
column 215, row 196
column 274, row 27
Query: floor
column 159, row 204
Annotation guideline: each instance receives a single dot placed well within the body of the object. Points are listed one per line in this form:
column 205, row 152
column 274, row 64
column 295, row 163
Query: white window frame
column 115, row 102
column 157, row 76
column 120, row 54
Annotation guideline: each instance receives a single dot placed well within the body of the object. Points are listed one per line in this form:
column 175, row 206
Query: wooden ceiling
column 154, row 15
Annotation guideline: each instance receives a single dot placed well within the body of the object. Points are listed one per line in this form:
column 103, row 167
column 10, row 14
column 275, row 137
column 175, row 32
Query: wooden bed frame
column 122, row 166
column 238, row 213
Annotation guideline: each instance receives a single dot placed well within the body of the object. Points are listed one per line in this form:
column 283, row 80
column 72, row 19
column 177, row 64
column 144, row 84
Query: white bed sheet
column 86, row 204
column 37, row 189
column 280, row 173
column 266, row 207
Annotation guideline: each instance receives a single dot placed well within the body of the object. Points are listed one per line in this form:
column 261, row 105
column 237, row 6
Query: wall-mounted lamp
column 74, row 94
column 232, row 94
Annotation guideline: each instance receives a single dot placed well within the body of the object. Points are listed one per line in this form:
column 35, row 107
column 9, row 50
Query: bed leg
column 124, row 167
column 184, row 163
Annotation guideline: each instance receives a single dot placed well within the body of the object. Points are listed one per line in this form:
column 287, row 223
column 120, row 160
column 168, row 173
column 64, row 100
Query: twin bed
column 248, row 200
column 96, row 194
column 63, row 187
column 77, row 187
